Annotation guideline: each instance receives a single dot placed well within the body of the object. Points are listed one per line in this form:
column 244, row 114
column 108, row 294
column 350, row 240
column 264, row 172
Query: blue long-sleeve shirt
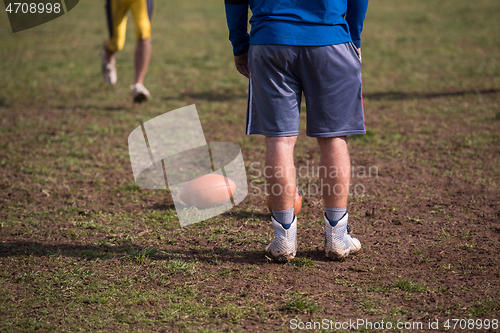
column 295, row 22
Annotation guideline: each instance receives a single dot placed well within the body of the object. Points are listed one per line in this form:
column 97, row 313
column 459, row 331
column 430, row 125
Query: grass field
column 82, row 248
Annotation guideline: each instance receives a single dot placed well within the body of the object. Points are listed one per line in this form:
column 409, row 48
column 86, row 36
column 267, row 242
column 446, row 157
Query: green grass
column 299, row 303
column 406, row 284
column 301, row 262
column 485, row 307
column 180, row 266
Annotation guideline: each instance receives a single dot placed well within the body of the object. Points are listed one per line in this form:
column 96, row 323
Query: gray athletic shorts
column 329, row 76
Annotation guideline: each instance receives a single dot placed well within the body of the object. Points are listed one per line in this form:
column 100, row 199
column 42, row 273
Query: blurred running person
column 310, row 47
column 116, row 14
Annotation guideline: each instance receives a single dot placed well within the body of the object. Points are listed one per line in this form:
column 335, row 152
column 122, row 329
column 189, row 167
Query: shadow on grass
column 398, row 96
column 25, row 248
column 211, row 96
column 158, row 206
column 238, row 215
column 89, row 107
column 245, row 215
column 3, row 102
column 218, row 96
column 216, row 256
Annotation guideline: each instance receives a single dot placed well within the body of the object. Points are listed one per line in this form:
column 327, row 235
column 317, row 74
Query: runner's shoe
column 284, row 244
column 338, row 243
column 108, row 69
column 140, row 93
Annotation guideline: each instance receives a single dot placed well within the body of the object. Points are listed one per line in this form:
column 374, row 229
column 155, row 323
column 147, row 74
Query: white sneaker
column 338, row 243
column 284, row 244
column 108, row 69
column 140, row 92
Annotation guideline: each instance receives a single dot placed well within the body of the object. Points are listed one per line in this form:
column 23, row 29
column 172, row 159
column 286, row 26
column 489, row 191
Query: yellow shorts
column 116, row 12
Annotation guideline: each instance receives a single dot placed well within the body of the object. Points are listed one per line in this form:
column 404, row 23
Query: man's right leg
column 141, row 61
column 335, row 167
column 334, row 173
column 142, row 12
column 280, row 178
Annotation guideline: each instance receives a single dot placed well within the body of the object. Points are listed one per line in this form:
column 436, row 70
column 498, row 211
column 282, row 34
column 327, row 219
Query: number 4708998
column 469, row 324
column 25, row 8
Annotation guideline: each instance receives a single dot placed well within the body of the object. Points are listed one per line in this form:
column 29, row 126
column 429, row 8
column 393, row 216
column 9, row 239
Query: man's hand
column 241, row 63
column 359, row 52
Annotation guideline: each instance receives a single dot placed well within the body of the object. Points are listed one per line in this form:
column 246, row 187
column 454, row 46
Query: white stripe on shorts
column 249, row 106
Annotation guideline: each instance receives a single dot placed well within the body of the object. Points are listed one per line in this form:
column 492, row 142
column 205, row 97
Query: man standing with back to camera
column 310, row 47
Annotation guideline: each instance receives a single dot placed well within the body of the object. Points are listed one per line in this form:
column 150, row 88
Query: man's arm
column 237, row 18
column 355, row 16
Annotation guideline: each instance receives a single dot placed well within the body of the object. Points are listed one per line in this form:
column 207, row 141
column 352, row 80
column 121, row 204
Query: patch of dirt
column 428, row 224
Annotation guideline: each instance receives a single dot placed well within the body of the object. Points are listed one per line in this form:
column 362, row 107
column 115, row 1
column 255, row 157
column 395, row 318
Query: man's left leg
column 280, row 178
column 274, row 111
column 116, row 15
